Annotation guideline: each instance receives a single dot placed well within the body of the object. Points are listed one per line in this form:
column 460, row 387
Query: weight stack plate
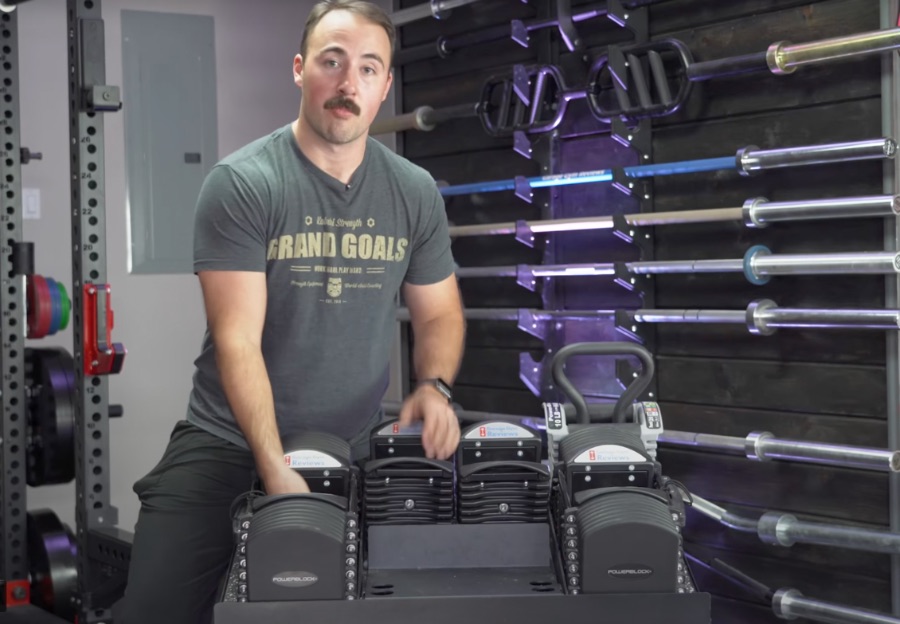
column 297, row 550
column 408, row 490
column 628, row 542
column 501, row 478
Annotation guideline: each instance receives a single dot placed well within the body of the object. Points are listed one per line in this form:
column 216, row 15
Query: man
column 303, row 239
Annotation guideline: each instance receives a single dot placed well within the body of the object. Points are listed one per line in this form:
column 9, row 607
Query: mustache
column 341, row 101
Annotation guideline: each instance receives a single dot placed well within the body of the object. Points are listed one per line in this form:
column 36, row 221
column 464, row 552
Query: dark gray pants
column 183, row 538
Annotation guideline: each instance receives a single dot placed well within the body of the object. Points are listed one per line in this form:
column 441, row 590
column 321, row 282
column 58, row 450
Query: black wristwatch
column 442, row 386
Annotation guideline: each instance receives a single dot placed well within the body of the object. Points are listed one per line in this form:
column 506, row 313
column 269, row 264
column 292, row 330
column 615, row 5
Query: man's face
column 345, row 76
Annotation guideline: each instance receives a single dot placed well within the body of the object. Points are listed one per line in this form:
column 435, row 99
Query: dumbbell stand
column 477, row 574
column 532, row 609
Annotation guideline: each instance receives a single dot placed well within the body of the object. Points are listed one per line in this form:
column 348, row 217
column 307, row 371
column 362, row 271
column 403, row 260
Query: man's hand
column 440, row 429
column 285, row 480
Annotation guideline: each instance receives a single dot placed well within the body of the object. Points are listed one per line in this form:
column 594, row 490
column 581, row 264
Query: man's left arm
column 438, row 325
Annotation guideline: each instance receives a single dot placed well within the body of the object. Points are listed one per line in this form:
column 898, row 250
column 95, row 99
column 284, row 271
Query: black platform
column 535, row 609
column 28, row 614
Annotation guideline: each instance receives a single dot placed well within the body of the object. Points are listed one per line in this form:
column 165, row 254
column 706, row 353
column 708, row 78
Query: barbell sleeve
column 790, row 604
column 753, row 159
column 784, row 57
column 880, row 263
column 414, row 120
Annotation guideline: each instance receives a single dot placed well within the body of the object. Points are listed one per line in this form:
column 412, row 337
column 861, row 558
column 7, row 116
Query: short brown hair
column 367, row 10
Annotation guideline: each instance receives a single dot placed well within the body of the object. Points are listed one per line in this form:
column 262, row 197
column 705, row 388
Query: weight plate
column 42, row 307
column 66, row 305
column 55, row 306
column 52, row 556
column 50, row 374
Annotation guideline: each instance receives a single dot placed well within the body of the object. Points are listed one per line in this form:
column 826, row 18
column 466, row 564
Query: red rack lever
column 101, row 355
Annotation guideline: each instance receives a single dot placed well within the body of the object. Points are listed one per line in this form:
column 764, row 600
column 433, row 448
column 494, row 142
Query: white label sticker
column 310, row 459
column 609, row 453
column 396, row 429
column 496, row 430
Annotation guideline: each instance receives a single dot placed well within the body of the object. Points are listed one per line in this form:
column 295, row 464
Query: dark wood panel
column 844, row 390
column 825, row 583
column 815, row 125
column 732, row 290
column 498, row 292
column 707, row 532
column 486, row 251
column 499, row 54
column 466, row 88
column 500, row 334
column 839, row 493
column 786, row 425
column 491, row 208
column 499, row 401
column 679, row 242
column 843, row 346
column 725, row 611
column 456, row 136
column 482, row 14
column 496, row 368
column 724, row 190
column 480, row 166
column 807, row 22
column 679, row 15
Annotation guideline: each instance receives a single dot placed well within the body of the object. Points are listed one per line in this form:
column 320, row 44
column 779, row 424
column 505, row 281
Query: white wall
column 160, row 319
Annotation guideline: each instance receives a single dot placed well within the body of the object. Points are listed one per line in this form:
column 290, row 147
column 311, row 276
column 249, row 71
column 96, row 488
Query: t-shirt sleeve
column 229, row 225
column 431, row 260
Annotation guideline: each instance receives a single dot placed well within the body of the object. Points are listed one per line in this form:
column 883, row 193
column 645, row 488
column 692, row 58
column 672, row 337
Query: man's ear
column 387, row 87
column 298, row 70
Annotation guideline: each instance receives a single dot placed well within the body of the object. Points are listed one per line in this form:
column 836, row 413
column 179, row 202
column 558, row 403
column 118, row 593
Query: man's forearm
column 249, row 393
column 438, row 347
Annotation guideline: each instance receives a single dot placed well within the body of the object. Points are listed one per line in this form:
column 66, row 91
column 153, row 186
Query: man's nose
column 348, row 82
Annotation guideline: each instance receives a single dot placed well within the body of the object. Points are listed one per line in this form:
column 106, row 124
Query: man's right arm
column 236, row 308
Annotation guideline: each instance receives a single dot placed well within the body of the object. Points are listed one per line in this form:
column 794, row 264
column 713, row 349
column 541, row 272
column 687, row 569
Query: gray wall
column 160, row 319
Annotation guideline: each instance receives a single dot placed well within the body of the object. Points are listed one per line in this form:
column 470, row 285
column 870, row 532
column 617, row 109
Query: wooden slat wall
column 821, row 385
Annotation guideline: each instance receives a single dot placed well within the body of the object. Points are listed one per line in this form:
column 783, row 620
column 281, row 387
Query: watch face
column 442, row 387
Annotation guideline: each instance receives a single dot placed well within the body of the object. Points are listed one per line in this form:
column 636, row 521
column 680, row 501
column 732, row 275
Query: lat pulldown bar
column 761, row 317
column 747, row 160
column 758, row 212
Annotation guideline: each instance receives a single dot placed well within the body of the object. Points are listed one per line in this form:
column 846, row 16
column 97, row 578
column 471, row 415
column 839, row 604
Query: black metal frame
column 13, row 424
column 89, row 98
column 103, row 550
column 537, row 609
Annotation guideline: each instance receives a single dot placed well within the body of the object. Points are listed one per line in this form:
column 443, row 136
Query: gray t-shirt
column 335, row 256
